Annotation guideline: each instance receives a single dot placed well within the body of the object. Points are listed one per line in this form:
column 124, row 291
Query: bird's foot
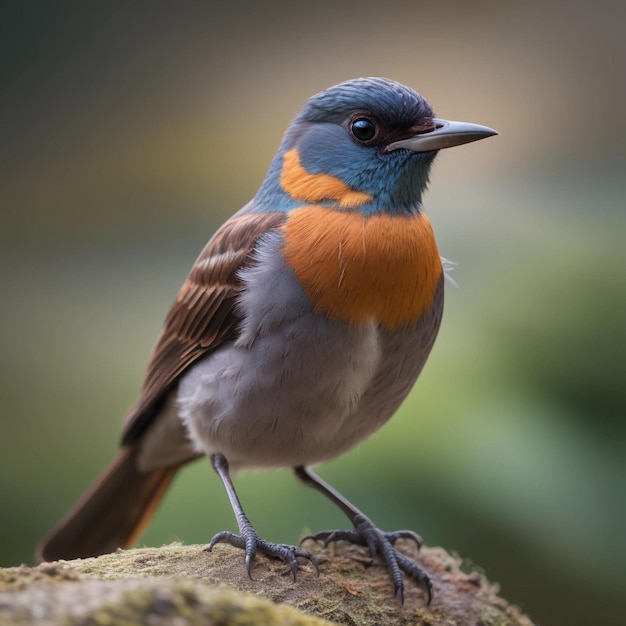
column 366, row 533
column 249, row 541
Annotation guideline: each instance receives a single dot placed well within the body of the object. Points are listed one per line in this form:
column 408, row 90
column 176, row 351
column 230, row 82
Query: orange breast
column 356, row 268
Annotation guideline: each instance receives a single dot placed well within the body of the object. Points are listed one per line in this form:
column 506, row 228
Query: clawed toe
column 365, row 533
column 405, row 534
column 253, row 544
column 414, row 571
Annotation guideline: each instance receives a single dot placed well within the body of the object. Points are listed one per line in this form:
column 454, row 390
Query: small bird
column 301, row 328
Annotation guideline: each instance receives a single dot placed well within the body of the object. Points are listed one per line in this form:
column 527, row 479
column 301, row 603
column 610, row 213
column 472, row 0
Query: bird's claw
column 405, row 534
column 352, row 536
column 365, row 533
column 252, row 544
column 414, row 571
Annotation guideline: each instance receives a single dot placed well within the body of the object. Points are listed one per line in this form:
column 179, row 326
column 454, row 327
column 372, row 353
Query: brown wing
column 203, row 315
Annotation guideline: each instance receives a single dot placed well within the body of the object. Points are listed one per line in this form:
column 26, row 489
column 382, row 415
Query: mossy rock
column 185, row 586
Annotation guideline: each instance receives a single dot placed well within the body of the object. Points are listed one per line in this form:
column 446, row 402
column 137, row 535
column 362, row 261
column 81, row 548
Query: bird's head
column 366, row 144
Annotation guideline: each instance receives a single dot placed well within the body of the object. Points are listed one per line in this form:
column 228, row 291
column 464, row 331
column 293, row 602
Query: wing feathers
column 204, row 314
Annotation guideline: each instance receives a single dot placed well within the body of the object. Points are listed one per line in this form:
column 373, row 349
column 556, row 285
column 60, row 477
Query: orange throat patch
column 307, row 187
column 358, row 269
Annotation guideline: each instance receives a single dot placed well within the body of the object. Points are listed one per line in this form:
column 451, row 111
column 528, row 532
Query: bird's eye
column 363, row 129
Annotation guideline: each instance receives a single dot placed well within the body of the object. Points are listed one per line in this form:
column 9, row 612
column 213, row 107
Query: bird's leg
column 247, row 539
column 366, row 533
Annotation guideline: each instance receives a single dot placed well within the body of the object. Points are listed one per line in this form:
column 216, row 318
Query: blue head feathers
column 323, row 134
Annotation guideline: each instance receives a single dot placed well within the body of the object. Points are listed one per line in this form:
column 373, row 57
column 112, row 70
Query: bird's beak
column 445, row 134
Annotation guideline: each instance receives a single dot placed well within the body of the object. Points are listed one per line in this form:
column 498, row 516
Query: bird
column 302, row 326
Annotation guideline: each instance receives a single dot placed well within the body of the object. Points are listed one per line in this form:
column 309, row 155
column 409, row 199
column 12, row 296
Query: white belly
column 285, row 400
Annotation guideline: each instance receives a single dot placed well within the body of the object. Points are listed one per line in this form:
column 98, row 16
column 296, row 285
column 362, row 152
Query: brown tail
column 111, row 514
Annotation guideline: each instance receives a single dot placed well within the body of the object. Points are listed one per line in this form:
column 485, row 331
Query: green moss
column 188, row 604
column 187, row 586
column 15, row 578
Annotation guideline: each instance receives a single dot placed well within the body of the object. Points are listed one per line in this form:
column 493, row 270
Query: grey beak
column 445, row 135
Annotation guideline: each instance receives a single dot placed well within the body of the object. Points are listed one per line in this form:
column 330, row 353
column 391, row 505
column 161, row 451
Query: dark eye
column 363, row 129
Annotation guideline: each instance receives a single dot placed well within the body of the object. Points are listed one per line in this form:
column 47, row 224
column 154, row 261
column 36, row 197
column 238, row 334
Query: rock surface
column 183, row 585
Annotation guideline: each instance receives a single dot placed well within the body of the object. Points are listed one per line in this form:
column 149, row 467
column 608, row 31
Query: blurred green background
column 130, row 131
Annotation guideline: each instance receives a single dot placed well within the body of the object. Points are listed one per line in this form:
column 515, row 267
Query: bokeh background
column 130, row 131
